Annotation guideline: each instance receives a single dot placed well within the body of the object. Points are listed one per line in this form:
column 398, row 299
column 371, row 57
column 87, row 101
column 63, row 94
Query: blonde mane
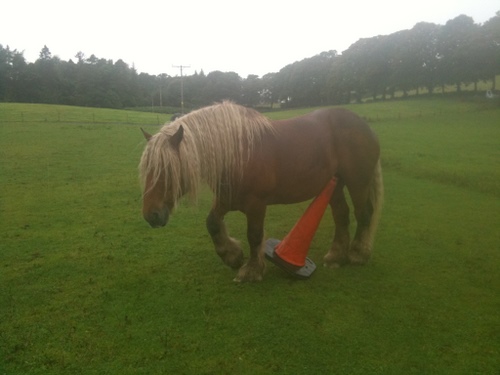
column 217, row 142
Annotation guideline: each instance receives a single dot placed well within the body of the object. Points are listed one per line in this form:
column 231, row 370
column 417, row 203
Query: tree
column 455, row 50
column 268, row 93
column 46, row 78
column 45, row 53
column 413, row 59
column 353, row 69
column 251, row 89
column 80, row 56
column 305, row 82
column 195, row 90
column 490, row 66
column 377, row 69
column 425, row 44
column 18, row 86
column 427, row 55
column 221, row 86
column 5, row 70
column 341, row 82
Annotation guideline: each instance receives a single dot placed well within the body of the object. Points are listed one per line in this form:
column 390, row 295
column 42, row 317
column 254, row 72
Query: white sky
column 247, row 37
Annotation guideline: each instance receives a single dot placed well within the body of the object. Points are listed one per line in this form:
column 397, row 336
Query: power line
column 182, row 84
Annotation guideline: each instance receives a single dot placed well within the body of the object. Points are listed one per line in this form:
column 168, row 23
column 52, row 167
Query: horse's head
column 161, row 178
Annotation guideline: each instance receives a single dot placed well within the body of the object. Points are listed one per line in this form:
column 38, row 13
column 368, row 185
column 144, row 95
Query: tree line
column 427, row 56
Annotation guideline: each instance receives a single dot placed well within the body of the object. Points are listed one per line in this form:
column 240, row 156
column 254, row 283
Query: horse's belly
column 300, row 188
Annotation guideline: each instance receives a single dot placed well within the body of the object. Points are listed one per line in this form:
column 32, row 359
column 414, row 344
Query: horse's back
column 305, row 152
column 344, row 140
column 329, row 131
column 344, row 124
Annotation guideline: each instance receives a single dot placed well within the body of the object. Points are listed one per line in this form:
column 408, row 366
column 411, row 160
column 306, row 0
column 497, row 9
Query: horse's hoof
column 331, row 265
column 234, row 260
column 358, row 259
column 238, row 279
column 247, row 278
column 335, row 259
column 359, row 253
column 335, row 262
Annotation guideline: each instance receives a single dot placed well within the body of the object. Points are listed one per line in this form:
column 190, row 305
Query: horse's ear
column 146, row 134
column 176, row 139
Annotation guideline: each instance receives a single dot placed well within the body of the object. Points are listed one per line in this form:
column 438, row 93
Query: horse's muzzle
column 157, row 218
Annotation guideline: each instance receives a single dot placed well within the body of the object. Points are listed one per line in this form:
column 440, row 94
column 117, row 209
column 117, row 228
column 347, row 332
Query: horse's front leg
column 226, row 247
column 253, row 269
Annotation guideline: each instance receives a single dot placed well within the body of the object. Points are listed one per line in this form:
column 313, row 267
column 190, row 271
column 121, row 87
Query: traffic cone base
column 290, row 254
column 303, row 272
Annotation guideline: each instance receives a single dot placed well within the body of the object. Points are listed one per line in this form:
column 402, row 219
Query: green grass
column 408, row 108
column 16, row 112
column 86, row 287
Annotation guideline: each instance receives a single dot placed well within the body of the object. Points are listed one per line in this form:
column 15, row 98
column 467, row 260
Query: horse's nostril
column 157, row 218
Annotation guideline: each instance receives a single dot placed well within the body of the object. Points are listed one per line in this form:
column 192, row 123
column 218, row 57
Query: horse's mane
column 217, row 142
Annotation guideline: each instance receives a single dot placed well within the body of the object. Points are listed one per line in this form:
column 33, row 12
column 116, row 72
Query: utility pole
column 182, row 84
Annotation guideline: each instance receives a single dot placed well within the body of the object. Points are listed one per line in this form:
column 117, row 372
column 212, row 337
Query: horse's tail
column 376, row 200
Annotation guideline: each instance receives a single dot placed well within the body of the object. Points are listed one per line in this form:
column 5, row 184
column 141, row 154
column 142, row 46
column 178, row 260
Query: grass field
column 86, row 287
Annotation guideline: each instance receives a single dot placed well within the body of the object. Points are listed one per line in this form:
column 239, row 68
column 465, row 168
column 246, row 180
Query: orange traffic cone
column 290, row 254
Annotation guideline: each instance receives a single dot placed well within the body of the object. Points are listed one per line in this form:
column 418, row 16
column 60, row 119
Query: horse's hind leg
column 361, row 246
column 338, row 254
column 226, row 247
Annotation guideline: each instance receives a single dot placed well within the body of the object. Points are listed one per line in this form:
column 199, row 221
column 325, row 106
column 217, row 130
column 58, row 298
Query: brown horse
column 250, row 162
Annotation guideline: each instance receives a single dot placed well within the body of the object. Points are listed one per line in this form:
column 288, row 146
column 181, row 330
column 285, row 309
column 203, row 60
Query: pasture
column 86, row 287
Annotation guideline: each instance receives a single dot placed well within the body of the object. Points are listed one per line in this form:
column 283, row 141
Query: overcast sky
column 246, row 37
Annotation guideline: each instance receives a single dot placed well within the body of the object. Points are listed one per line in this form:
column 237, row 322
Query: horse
column 250, row 162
